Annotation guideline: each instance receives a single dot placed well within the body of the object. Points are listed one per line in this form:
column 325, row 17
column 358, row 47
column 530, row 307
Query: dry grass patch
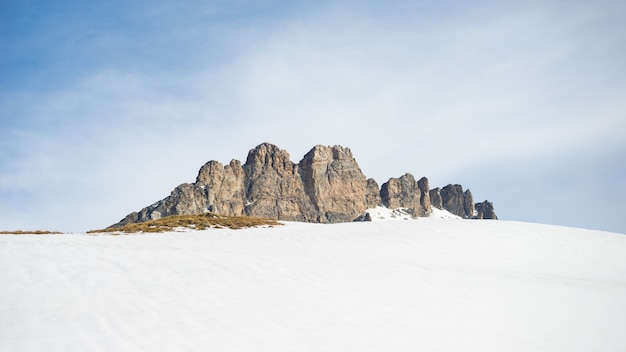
column 194, row 222
column 36, row 232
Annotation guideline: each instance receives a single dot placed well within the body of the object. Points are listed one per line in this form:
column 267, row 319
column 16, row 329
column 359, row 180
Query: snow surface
column 442, row 214
column 385, row 214
column 381, row 213
column 449, row 285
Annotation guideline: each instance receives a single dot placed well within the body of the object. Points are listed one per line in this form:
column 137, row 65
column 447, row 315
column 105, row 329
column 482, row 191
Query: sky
column 106, row 106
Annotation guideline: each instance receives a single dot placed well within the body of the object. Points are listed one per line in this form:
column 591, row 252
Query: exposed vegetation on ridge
column 194, row 222
column 36, row 232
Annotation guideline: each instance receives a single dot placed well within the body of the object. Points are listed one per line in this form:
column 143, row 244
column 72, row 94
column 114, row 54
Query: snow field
column 446, row 285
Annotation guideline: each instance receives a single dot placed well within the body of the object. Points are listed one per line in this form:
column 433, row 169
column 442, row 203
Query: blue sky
column 105, row 107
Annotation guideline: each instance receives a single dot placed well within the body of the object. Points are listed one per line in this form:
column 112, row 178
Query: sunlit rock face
column 334, row 183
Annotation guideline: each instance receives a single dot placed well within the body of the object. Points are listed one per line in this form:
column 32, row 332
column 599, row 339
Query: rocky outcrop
column 372, row 194
column 405, row 192
column 185, row 199
column 222, row 186
column 334, row 183
column 400, row 192
column 435, row 198
column 273, row 186
column 425, row 206
column 485, row 210
column 468, row 204
column 326, row 186
column 457, row 202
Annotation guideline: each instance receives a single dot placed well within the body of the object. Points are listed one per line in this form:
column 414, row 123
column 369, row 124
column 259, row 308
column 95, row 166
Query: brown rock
column 327, row 185
column 372, row 196
column 223, row 186
column 485, row 211
column 274, row 187
column 435, row 198
column 405, row 192
column 186, row 199
column 468, row 204
column 401, row 192
column 457, row 202
column 334, row 183
column 452, row 199
column 425, row 206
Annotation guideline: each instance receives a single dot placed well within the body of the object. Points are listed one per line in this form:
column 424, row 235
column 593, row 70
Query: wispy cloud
column 500, row 87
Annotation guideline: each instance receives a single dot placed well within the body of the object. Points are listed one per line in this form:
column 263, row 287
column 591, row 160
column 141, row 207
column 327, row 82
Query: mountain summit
column 326, row 186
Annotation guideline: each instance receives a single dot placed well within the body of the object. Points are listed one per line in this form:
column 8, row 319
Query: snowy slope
column 381, row 213
column 425, row 285
column 385, row 214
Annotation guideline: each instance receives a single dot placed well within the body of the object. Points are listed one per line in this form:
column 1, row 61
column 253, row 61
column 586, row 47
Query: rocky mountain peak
column 323, row 152
column 209, row 173
column 326, row 186
column 268, row 156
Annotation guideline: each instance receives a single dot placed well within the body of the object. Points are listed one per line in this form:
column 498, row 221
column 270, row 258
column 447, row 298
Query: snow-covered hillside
column 425, row 285
column 381, row 213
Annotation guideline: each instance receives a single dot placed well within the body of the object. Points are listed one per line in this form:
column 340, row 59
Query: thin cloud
column 496, row 81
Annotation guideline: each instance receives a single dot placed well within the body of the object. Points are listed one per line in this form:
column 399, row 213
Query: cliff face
column 405, row 192
column 334, row 183
column 273, row 186
column 222, row 187
column 457, row 201
column 326, row 186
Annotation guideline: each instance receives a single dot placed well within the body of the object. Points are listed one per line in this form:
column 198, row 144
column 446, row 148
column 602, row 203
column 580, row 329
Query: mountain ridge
column 326, row 186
